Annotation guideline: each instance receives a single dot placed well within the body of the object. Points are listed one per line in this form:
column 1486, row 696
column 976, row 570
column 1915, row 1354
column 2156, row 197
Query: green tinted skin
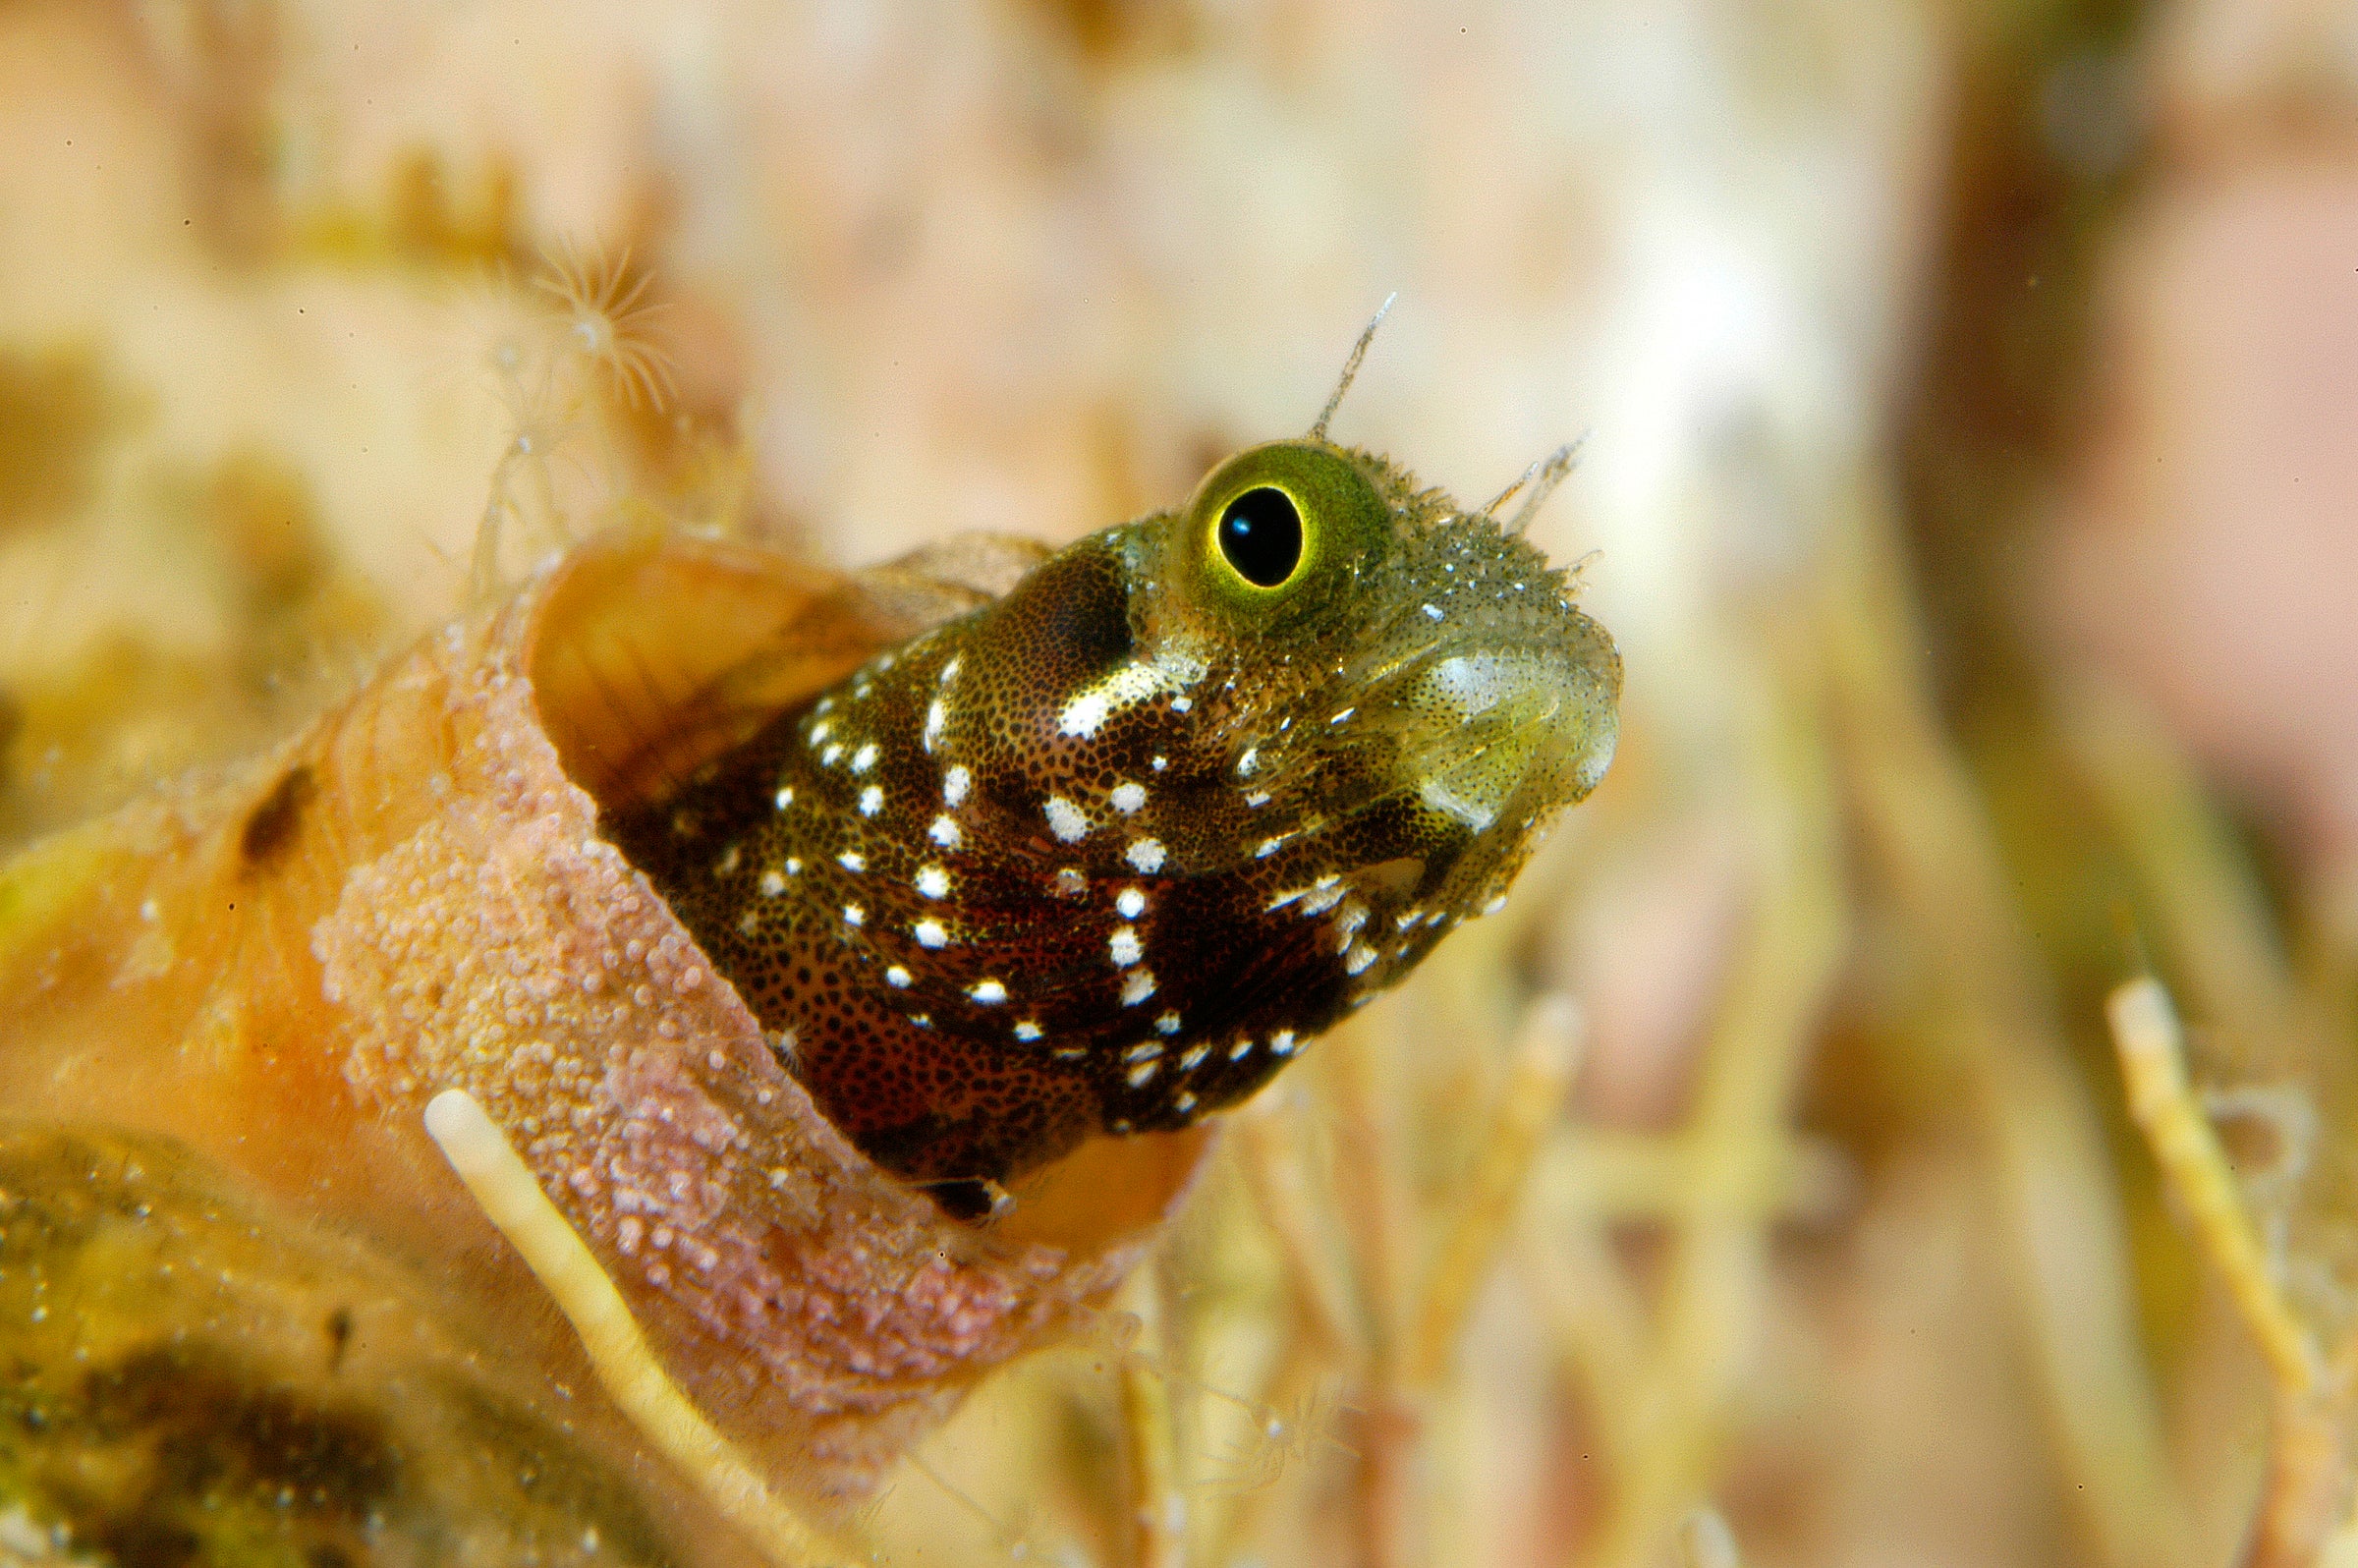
column 1106, row 854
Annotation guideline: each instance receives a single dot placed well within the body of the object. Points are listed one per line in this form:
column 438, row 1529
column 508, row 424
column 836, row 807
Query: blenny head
column 1105, row 853
column 1317, row 681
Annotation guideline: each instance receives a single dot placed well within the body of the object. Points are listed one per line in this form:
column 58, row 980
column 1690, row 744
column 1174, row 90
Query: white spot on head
column 1144, row 1052
column 896, row 975
column 1184, row 1102
column 794, row 865
column 989, row 993
column 1496, row 903
column 1065, row 820
column 854, row 915
column 1137, row 986
column 931, row 933
column 1433, row 611
column 949, row 671
column 821, row 731
column 1258, row 798
column 1070, row 881
column 828, row 758
column 933, row 881
column 1140, row 1074
column 1357, row 960
column 935, row 716
column 1344, row 714
column 1168, row 1023
column 1161, row 763
column 865, row 759
column 1246, row 764
column 1085, row 714
column 1281, row 1043
column 1027, row 1028
column 945, row 832
column 1181, row 705
column 852, row 861
column 1129, row 902
column 1127, row 797
column 1327, row 893
column 1269, row 847
column 1241, row 1049
column 954, row 785
column 1125, row 946
column 1194, row 1058
column 727, row 864
column 1146, row 854
column 871, row 801
column 785, row 797
column 772, row 885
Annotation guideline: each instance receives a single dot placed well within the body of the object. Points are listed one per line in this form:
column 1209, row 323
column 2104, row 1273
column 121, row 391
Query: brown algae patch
column 58, row 409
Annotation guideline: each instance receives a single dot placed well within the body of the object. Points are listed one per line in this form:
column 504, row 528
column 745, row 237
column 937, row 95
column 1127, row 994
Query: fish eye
column 1280, row 530
column 1261, row 536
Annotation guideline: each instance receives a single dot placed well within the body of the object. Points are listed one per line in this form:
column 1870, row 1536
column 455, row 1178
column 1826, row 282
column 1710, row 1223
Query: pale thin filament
column 2152, row 1064
column 512, row 1200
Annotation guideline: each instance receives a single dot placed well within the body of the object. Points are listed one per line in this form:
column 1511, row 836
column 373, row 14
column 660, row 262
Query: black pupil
column 1261, row 534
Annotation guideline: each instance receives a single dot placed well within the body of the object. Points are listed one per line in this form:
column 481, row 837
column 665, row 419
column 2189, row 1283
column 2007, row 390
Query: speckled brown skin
column 1105, row 853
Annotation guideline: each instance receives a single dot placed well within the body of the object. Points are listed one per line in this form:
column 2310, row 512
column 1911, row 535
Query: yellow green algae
column 187, row 1375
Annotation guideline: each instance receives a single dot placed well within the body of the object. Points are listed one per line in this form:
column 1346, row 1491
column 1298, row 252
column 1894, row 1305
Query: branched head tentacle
column 1542, row 479
column 1359, row 352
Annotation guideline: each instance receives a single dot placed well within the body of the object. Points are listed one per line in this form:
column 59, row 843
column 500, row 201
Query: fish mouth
column 1506, row 733
column 1495, row 694
column 1451, row 754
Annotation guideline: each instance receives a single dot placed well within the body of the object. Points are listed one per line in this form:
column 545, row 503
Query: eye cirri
column 1103, row 855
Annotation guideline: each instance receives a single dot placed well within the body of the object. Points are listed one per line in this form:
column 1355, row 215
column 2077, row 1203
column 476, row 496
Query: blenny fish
column 1105, row 853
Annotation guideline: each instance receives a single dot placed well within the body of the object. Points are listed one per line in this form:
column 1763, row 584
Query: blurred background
column 1971, row 480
